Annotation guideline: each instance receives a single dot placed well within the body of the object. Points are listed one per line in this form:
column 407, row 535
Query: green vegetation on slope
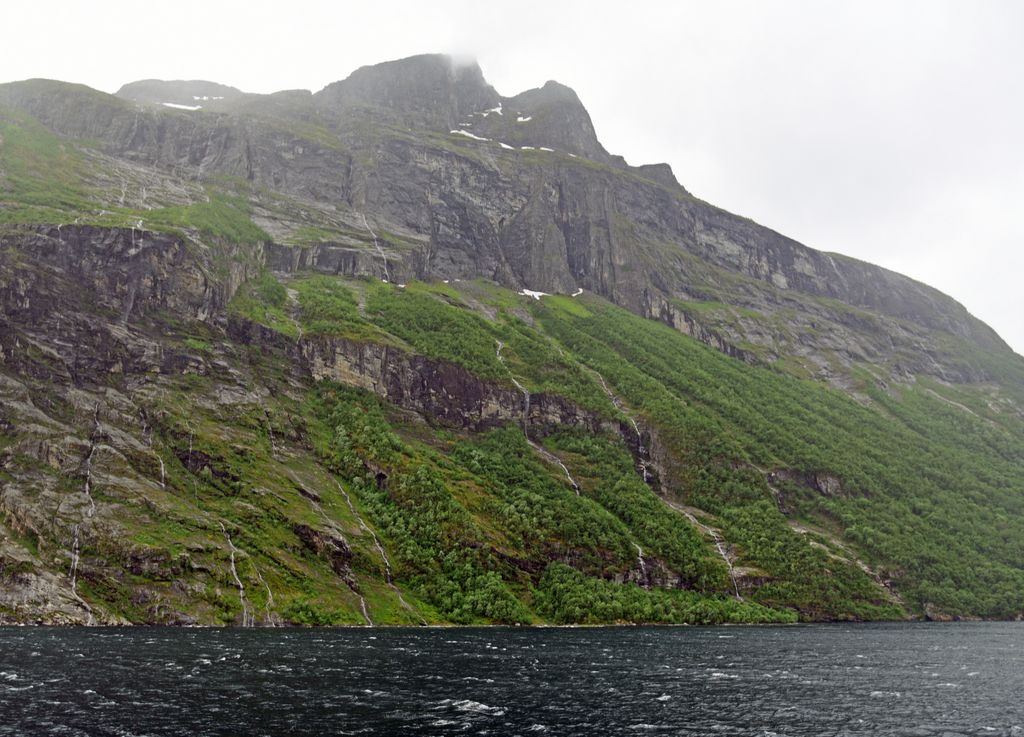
column 263, row 301
column 903, row 481
column 928, row 492
column 47, row 179
column 467, row 529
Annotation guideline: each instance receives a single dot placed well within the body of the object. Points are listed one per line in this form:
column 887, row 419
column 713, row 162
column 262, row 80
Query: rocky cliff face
column 95, row 340
column 468, row 184
column 167, row 455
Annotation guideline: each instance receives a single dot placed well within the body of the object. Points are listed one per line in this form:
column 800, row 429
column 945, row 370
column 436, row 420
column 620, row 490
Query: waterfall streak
column 248, row 618
column 88, row 461
column 377, row 544
column 543, row 452
column 74, row 576
column 76, row 545
column 641, row 451
column 366, row 614
column 74, row 559
column 272, row 618
column 376, row 244
column 643, row 565
column 719, row 544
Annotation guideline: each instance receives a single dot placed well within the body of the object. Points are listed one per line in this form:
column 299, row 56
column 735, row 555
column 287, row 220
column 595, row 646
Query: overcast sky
column 890, row 131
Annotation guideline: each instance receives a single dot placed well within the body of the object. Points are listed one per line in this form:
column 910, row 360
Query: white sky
column 892, row 131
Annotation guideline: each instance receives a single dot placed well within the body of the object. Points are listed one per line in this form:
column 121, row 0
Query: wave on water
column 468, row 706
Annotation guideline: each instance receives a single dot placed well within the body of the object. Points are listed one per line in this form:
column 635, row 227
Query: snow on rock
column 578, row 292
column 535, row 295
column 505, row 145
column 492, row 110
column 521, row 119
column 467, row 134
column 176, row 106
column 204, row 97
column 527, row 148
column 545, row 148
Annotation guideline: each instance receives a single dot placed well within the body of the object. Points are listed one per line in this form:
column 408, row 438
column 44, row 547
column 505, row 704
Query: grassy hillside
column 800, row 478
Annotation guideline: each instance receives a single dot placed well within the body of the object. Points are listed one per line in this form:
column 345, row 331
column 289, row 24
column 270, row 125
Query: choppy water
column 803, row 680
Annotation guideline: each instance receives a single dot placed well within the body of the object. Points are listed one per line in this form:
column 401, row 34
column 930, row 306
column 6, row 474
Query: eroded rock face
column 125, row 270
column 444, row 392
column 329, row 546
column 378, row 149
column 29, row 591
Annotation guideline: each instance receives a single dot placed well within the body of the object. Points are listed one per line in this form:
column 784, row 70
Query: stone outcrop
column 441, row 391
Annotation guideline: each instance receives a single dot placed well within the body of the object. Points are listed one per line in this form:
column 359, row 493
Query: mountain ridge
column 412, row 351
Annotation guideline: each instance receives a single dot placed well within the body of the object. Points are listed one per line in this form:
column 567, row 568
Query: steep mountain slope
column 265, row 361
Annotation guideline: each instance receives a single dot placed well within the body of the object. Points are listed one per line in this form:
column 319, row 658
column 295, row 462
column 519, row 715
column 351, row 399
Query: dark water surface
column 892, row 679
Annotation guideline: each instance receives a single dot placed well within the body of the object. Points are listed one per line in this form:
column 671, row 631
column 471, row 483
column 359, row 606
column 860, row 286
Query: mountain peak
column 554, row 116
column 431, row 89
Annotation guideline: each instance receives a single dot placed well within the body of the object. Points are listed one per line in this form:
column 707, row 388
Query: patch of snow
column 521, row 119
column 545, row 148
column 205, row 97
column 527, row 148
column 467, row 134
column 578, row 292
column 535, row 295
column 465, row 125
column 492, row 110
column 505, row 145
column 401, row 286
column 574, row 156
column 181, row 107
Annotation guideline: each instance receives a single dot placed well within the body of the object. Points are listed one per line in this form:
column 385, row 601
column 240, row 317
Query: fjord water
column 880, row 679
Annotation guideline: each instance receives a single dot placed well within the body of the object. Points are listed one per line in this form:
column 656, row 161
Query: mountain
column 405, row 350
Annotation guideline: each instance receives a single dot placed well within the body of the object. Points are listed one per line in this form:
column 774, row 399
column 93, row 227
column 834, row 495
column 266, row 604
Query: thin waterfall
column 376, row 244
column 550, row 457
column 73, row 574
column 719, row 544
column 332, row 525
column 272, row 618
column 641, row 451
column 248, row 619
column 388, row 577
column 643, row 565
